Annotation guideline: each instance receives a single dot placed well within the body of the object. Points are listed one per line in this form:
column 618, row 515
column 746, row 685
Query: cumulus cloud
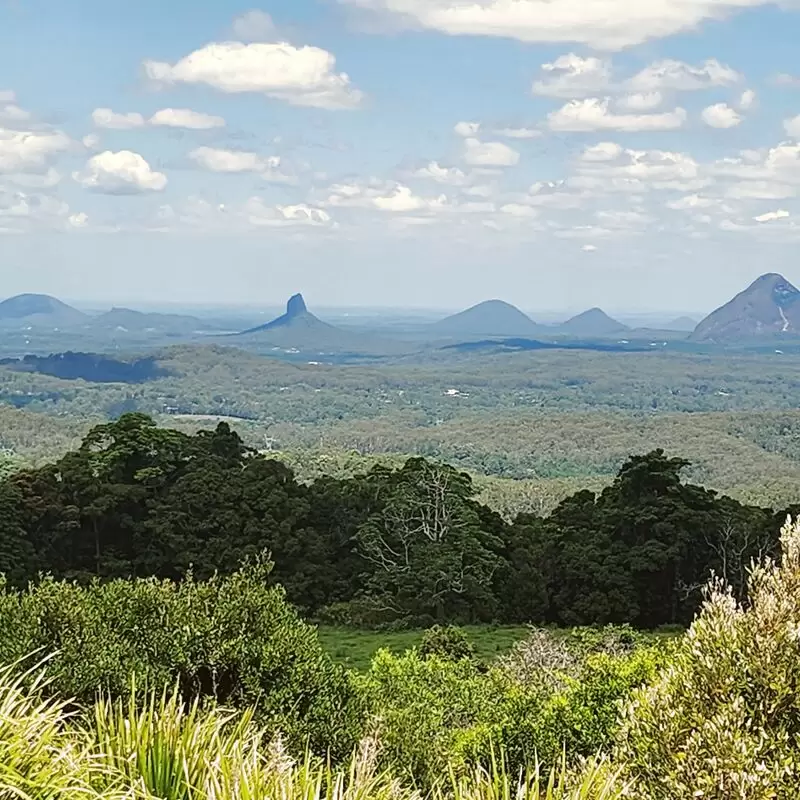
column 124, row 172
column 30, row 151
column 604, row 164
column 216, row 159
column 436, row 172
column 391, row 197
column 261, row 214
column 489, row 154
column 747, row 100
column 792, row 127
column 603, row 24
column 301, row 76
column 467, row 129
column 111, row 120
column 571, row 76
column 254, row 26
column 185, row 118
column 771, row 216
column 79, row 220
column 641, row 101
column 7, row 96
column 594, row 114
column 721, row 115
column 602, row 152
column 681, row 77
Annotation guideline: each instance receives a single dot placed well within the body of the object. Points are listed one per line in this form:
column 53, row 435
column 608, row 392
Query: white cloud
column 792, row 127
column 589, row 248
column 12, row 113
column 641, row 101
column 106, row 118
column 238, row 161
column 124, row 172
column 186, row 118
column 467, row 129
column 404, row 200
column 760, row 190
column 747, row 100
column 79, row 220
column 593, row 114
column 693, row 202
column 772, row 215
column 644, row 169
column 36, row 180
column 436, row 172
column 302, row 76
column 601, row 152
column 254, row 26
column 30, row 151
column 571, row 76
column 519, row 210
column 91, row 141
column 389, row 197
column 7, row 96
column 603, row 24
column 779, row 164
column 784, row 79
column 260, row 214
column 679, row 76
column 518, row 133
column 721, row 115
column 489, row 154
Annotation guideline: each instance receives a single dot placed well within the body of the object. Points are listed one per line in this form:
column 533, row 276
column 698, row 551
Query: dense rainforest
column 392, row 546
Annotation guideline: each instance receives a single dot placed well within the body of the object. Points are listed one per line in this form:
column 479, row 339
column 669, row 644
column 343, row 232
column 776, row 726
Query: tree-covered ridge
column 394, row 544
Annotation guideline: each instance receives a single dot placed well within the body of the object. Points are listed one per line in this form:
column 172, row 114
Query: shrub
column 450, row 642
column 231, row 640
column 419, row 705
column 721, row 720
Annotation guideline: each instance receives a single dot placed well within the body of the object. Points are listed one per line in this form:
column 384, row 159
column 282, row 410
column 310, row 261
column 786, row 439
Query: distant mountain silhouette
column 299, row 329
column 39, row 309
column 128, row 320
column 769, row 307
column 490, row 318
column 681, row 324
column 594, row 322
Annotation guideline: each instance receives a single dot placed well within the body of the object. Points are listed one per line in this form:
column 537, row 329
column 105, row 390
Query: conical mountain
column 39, row 309
column 490, row 318
column 300, row 330
column 769, row 307
column 681, row 324
column 594, row 322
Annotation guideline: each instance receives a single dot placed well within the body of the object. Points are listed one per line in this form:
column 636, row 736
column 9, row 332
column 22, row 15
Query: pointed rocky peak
column 296, row 306
column 768, row 307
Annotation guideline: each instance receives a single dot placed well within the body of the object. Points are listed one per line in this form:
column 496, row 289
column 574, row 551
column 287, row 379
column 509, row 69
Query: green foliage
column 449, row 642
column 230, row 640
column 419, row 705
column 721, row 719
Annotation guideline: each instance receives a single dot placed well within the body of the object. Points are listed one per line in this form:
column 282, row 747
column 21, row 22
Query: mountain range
column 768, row 309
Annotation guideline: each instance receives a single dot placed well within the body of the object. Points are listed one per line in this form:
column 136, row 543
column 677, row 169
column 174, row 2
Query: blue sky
column 557, row 154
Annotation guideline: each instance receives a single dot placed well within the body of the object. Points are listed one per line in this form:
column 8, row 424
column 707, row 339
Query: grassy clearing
column 355, row 648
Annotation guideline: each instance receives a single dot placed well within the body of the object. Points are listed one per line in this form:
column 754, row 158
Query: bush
column 721, row 721
column 419, row 705
column 230, row 640
column 450, row 642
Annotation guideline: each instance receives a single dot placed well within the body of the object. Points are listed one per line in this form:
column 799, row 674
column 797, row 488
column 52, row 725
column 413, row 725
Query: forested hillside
column 402, row 545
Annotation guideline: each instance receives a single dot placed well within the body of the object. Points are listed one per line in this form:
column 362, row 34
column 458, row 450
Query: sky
column 557, row 154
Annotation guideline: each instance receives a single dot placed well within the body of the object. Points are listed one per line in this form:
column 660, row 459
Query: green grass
column 355, row 648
